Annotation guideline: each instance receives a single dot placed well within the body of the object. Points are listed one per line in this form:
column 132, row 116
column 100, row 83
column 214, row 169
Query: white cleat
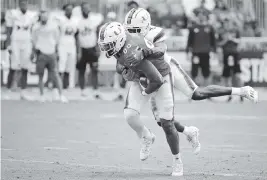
column 177, row 168
column 146, row 146
column 192, row 137
column 63, row 99
column 249, row 93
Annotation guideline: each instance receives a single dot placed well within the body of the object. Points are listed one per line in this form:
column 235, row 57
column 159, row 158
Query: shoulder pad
column 156, row 34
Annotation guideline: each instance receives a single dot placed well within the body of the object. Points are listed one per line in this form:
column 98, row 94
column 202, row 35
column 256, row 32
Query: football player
column 67, row 48
column 19, row 23
column 88, row 50
column 133, row 22
column 139, row 21
column 152, row 78
column 45, row 37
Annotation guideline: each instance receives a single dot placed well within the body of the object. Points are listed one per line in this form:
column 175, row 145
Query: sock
column 146, row 132
column 177, row 157
column 236, row 91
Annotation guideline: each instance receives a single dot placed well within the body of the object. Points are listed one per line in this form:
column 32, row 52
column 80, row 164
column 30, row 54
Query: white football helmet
column 112, row 37
column 137, row 21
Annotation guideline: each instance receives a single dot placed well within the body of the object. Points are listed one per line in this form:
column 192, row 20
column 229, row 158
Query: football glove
column 147, row 52
column 129, row 75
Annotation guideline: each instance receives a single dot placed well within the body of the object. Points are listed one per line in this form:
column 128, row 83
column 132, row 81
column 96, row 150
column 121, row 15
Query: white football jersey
column 21, row 24
column 68, row 29
column 155, row 35
column 87, row 29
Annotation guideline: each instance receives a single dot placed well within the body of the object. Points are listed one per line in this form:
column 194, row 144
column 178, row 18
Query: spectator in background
column 45, row 37
column 257, row 30
column 229, row 40
column 219, row 13
column 201, row 10
column 4, row 56
column 248, row 31
column 67, row 47
column 19, row 23
column 201, row 42
column 88, row 51
column 131, row 5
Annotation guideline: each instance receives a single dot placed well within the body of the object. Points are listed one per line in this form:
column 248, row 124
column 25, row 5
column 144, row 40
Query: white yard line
column 6, row 149
column 55, row 148
column 123, row 168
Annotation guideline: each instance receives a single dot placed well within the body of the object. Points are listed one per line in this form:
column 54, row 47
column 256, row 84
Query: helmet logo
column 117, row 33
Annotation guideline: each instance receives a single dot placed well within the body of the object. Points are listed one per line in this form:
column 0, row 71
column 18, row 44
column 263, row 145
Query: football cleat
column 177, row 168
column 192, row 137
column 63, row 99
column 249, row 93
column 146, row 146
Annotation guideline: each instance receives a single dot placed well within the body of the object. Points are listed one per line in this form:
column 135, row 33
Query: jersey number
column 127, row 46
column 86, row 31
column 69, row 31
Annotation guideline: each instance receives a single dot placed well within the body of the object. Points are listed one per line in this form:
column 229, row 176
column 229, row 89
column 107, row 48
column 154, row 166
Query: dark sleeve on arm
column 190, row 39
column 159, row 50
column 213, row 40
column 120, row 68
column 152, row 74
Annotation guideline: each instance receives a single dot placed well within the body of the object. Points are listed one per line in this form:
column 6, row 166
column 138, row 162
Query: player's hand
column 147, row 52
column 189, row 56
column 129, row 75
column 79, row 56
column 135, row 57
column 213, row 56
column 9, row 50
column 143, row 82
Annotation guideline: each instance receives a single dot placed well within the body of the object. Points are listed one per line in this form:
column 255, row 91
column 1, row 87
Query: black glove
column 147, row 52
column 143, row 82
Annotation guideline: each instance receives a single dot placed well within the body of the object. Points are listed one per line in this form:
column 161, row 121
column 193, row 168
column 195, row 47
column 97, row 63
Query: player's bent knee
column 130, row 113
column 168, row 126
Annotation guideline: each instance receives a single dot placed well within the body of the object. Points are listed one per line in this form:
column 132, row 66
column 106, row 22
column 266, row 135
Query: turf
column 90, row 140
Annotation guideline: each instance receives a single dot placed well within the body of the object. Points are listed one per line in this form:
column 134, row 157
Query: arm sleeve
column 190, row 39
column 213, row 40
column 159, row 50
column 119, row 68
column 152, row 74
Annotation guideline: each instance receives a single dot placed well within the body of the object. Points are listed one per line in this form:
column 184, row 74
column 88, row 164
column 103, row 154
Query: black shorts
column 48, row 61
column 89, row 56
column 201, row 60
column 231, row 64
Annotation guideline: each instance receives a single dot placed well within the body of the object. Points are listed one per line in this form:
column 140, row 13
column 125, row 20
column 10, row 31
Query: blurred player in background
column 67, row 47
column 229, row 40
column 45, row 37
column 151, row 77
column 88, row 51
column 19, row 23
column 4, row 53
column 201, row 43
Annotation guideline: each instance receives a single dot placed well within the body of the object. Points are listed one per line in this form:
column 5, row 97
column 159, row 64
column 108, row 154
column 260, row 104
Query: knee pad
column 168, row 126
column 130, row 114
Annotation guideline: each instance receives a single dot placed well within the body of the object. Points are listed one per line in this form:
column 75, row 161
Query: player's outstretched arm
column 155, row 79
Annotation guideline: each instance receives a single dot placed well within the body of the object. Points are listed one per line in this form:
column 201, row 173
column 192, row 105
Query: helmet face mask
column 111, row 39
column 138, row 21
